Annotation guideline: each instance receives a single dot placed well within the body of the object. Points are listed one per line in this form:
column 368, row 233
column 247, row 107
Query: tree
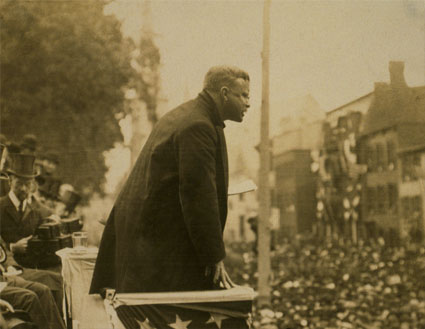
column 64, row 66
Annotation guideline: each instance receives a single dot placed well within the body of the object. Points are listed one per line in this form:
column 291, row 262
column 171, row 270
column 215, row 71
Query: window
column 409, row 162
column 273, row 198
column 392, row 197
column 382, row 200
column 412, row 211
column 405, row 204
column 391, row 155
column 362, row 152
column 381, row 157
column 371, row 158
column 242, row 227
column 417, row 207
column 371, row 200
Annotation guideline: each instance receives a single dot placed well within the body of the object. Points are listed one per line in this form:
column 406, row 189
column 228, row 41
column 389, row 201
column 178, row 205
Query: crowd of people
column 32, row 195
column 334, row 284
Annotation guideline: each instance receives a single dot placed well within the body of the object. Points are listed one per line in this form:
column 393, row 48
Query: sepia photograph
column 201, row 164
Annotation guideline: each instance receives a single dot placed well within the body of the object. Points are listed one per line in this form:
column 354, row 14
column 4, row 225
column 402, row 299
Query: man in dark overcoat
column 165, row 231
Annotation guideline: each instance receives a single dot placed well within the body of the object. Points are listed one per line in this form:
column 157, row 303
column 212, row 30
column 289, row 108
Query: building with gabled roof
column 391, row 141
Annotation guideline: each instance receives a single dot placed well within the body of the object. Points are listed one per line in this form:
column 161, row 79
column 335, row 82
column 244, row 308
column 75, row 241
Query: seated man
column 20, row 219
column 33, row 297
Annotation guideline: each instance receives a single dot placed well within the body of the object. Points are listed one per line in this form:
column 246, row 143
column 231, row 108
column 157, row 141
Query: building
column 391, row 141
column 241, row 207
column 412, row 191
column 373, row 147
column 338, row 172
column 293, row 194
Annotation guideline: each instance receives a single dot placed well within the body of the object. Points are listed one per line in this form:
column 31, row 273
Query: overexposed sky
column 332, row 50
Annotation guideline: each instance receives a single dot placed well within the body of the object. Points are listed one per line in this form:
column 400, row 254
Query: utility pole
column 264, row 267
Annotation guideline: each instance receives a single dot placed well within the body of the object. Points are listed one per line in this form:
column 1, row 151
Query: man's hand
column 6, row 307
column 220, row 276
column 20, row 247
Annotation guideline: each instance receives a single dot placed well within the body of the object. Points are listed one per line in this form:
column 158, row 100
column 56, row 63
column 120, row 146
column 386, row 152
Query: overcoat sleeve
column 196, row 151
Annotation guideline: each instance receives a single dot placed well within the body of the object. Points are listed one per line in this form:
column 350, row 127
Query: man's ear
column 224, row 92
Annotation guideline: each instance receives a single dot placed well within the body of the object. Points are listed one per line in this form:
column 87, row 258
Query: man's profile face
column 21, row 186
column 238, row 100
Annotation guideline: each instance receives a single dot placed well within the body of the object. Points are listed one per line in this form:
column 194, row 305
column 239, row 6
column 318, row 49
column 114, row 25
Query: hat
column 29, row 141
column 22, row 165
column 71, row 199
column 12, row 147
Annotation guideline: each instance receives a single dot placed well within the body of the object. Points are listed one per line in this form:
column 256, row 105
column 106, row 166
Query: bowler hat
column 22, row 165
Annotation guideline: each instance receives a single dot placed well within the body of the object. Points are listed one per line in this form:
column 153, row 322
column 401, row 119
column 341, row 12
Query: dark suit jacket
column 13, row 228
column 167, row 223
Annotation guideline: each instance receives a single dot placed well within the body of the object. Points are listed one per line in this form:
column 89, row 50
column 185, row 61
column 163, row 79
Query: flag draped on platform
column 225, row 309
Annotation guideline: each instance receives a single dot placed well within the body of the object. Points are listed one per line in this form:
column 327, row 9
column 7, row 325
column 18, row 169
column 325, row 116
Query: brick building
column 366, row 173
column 293, row 194
column 391, row 144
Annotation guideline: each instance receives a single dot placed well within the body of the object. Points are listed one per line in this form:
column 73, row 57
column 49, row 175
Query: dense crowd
column 320, row 284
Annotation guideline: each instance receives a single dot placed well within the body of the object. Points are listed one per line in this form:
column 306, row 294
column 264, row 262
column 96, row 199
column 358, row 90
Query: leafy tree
column 64, row 66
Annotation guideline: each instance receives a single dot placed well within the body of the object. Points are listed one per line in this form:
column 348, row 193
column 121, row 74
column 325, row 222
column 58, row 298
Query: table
column 86, row 311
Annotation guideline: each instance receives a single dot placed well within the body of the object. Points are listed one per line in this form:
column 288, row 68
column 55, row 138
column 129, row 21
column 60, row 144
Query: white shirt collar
column 16, row 201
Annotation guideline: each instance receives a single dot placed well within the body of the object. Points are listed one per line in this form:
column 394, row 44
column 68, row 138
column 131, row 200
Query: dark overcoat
column 167, row 223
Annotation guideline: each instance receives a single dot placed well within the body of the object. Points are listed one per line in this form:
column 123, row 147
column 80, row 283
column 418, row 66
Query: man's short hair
column 220, row 76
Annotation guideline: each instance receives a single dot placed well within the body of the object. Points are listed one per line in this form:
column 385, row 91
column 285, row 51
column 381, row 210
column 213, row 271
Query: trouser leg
column 27, row 301
column 50, row 279
column 46, row 299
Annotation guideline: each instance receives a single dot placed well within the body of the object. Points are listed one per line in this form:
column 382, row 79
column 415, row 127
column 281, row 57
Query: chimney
column 397, row 74
column 380, row 89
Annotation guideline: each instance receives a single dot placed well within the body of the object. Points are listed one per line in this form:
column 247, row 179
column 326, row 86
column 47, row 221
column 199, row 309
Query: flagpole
column 264, row 267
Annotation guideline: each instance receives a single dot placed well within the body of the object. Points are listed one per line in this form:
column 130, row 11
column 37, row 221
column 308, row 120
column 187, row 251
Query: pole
column 420, row 173
column 264, row 189
column 422, row 185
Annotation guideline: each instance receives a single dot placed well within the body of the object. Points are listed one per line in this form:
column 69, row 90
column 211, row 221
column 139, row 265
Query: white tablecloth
column 87, row 311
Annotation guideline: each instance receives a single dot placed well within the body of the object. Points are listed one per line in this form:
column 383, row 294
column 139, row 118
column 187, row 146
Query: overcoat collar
column 206, row 99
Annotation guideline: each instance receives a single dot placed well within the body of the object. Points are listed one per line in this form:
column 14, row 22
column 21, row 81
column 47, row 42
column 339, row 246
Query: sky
column 331, row 50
